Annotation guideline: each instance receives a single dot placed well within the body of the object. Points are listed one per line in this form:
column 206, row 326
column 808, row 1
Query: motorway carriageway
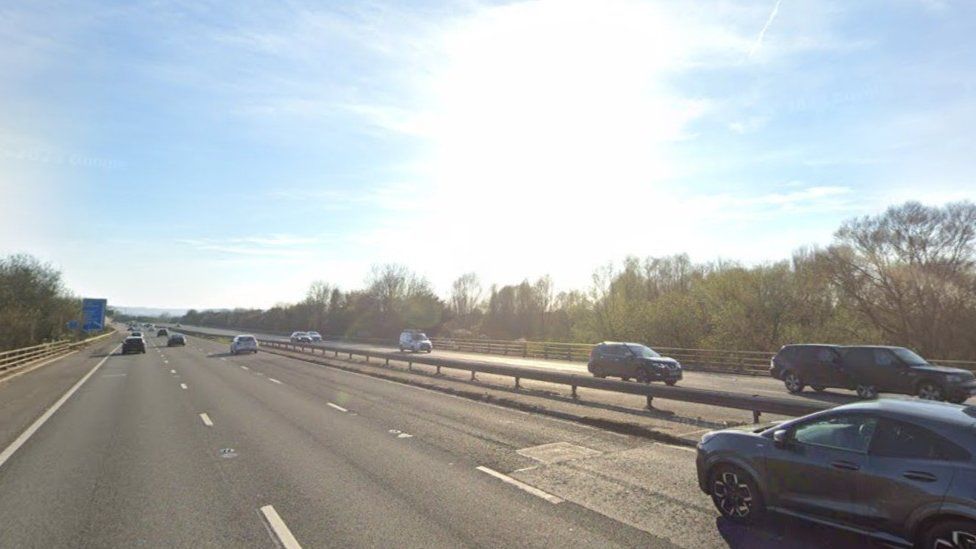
column 193, row 447
column 764, row 385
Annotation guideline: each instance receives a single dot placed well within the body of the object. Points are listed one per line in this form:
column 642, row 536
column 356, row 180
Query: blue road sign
column 72, row 324
column 93, row 314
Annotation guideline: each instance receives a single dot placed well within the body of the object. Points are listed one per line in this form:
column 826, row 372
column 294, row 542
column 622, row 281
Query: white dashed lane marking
column 337, row 407
column 521, row 485
column 206, row 420
column 279, row 528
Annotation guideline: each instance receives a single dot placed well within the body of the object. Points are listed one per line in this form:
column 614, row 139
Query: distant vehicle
column 243, row 344
column 176, row 340
column 897, row 470
column 300, row 337
column 178, row 325
column 136, row 333
column 132, row 327
column 133, row 344
column 416, row 341
column 162, row 332
column 633, row 360
column 869, row 370
column 314, row 336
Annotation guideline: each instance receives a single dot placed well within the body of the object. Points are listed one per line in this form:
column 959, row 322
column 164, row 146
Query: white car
column 314, row 336
column 243, row 344
column 300, row 337
column 416, row 341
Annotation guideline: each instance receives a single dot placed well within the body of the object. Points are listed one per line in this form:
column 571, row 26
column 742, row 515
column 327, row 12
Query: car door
column 613, row 361
column 891, row 374
column 815, row 471
column 809, row 366
column 831, row 368
column 909, row 467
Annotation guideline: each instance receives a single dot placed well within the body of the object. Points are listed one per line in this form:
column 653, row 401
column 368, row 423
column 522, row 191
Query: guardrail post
column 517, row 385
column 525, row 349
column 387, row 363
column 575, row 396
column 472, row 376
column 367, row 358
column 350, row 356
column 410, row 365
column 336, row 354
column 545, row 351
column 650, row 402
column 438, row 370
column 755, row 416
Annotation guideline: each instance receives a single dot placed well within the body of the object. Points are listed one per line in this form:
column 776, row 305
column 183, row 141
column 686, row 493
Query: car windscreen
column 908, row 357
column 245, row 340
column 643, row 351
column 419, row 337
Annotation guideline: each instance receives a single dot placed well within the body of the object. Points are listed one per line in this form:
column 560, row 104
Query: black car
column 869, row 370
column 133, row 345
column 632, row 360
column 900, row 471
column 176, row 340
column 162, row 332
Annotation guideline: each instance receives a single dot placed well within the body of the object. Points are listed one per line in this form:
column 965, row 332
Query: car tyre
column 818, row 388
column 793, row 382
column 959, row 400
column 625, row 379
column 930, row 390
column 735, row 494
column 950, row 534
column 670, row 382
column 866, row 391
column 643, row 376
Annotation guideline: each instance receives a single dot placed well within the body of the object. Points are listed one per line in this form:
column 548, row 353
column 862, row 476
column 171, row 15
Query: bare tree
column 465, row 294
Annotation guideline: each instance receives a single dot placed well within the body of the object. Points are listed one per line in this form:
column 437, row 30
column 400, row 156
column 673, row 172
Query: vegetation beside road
column 905, row 277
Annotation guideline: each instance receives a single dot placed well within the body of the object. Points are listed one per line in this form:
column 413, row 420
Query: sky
column 205, row 154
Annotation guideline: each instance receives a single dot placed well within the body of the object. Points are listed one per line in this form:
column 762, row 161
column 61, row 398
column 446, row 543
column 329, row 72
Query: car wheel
column 959, row 400
column 735, row 494
column 929, row 390
column 793, row 382
column 950, row 534
column 867, row 391
column 625, row 379
column 818, row 388
column 670, row 382
column 643, row 376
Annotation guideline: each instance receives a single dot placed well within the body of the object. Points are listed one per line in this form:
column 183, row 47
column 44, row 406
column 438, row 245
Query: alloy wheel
column 955, row 539
column 867, row 391
column 733, row 496
column 792, row 382
column 930, row 391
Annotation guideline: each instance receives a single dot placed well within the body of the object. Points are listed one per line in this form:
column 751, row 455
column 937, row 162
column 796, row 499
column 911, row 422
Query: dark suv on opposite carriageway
column 869, row 370
column 632, row 360
column 898, row 470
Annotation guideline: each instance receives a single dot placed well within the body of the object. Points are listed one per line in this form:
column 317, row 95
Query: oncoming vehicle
column 416, row 341
column 900, row 471
column 869, row 370
column 243, row 344
column 632, row 360
column 176, row 340
column 300, row 337
column 133, row 344
column 314, row 336
column 162, row 332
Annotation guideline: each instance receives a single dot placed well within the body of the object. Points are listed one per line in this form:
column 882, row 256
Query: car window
column 859, row 357
column 825, row 354
column 908, row 356
column 845, row 432
column 905, row 440
column 883, row 357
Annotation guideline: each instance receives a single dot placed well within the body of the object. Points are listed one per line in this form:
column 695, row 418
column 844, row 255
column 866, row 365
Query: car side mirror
column 779, row 438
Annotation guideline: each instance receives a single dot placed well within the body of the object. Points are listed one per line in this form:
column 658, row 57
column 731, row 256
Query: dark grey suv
column 869, row 370
column 899, row 471
column 632, row 360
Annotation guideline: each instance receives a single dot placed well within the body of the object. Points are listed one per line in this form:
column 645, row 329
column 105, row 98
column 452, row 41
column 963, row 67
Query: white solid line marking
column 183, row 385
column 165, row 362
column 273, row 380
column 19, row 441
column 337, row 407
column 279, row 528
column 222, row 358
column 172, row 371
column 206, row 419
column 244, row 368
column 521, row 485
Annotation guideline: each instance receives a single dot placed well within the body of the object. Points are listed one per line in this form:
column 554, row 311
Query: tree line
column 34, row 305
column 904, row 277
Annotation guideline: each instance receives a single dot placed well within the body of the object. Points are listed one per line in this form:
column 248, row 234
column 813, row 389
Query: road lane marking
column 337, row 407
column 521, row 485
column 273, row 380
column 165, row 362
column 279, row 528
column 172, row 371
column 182, row 385
column 244, row 368
column 222, row 358
column 20, row 440
column 206, row 419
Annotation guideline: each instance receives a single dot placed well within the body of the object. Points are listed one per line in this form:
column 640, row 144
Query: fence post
column 472, row 376
column 336, row 354
column 409, row 365
column 575, row 396
column 755, row 416
column 387, row 363
column 367, row 359
column 525, row 349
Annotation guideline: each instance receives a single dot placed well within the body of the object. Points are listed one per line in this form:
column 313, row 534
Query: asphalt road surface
column 193, row 447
